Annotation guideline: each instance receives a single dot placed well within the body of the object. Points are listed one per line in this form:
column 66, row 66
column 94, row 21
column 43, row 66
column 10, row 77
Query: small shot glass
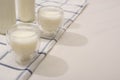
column 24, row 41
column 51, row 19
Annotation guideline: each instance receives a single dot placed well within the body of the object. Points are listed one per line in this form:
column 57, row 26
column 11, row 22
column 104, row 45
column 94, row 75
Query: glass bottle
column 26, row 10
column 7, row 15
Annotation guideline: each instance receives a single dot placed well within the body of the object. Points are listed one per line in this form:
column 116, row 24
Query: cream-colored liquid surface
column 23, row 42
column 50, row 20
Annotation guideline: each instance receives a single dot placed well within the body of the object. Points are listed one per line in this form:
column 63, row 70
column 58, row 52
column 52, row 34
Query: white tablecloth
column 10, row 70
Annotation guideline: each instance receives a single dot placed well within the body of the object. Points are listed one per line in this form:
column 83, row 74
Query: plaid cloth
column 10, row 70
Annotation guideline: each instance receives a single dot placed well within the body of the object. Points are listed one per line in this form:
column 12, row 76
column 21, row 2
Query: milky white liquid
column 7, row 15
column 26, row 11
column 23, row 43
column 50, row 18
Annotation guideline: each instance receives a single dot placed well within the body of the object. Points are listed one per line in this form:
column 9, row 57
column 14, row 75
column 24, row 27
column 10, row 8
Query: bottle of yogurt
column 7, row 15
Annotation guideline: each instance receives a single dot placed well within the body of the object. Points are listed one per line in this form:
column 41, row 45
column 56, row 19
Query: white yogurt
column 7, row 15
column 23, row 43
column 26, row 10
column 50, row 18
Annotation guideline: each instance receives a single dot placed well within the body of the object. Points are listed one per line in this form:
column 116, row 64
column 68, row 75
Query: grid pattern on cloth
column 9, row 70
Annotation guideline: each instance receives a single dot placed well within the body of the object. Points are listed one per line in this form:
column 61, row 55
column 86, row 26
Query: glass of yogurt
column 24, row 41
column 50, row 18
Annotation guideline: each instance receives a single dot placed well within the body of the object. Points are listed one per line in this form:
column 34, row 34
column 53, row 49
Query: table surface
column 89, row 49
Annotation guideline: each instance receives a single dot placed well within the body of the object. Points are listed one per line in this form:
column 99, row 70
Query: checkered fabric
column 10, row 70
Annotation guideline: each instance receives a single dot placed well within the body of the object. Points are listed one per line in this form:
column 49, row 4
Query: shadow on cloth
column 52, row 66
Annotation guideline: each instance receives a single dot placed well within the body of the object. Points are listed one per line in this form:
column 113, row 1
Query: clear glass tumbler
column 24, row 40
column 50, row 18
